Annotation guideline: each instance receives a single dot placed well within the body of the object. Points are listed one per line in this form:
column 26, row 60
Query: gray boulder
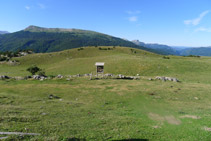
column 163, row 78
column 39, row 77
column 3, row 77
column 60, row 76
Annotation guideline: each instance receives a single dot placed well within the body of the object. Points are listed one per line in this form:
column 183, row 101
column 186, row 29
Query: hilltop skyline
column 175, row 23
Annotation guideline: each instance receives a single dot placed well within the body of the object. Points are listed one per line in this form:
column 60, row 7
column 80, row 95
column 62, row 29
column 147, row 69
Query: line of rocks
column 91, row 76
column 163, row 78
column 68, row 77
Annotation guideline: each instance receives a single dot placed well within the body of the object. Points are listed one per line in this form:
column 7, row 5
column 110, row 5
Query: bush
column 80, row 48
column 41, row 72
column 192, row 56
column 166, row 57
column 33, row 69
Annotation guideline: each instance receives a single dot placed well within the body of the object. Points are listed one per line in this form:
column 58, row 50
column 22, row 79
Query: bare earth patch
column 207, row 129
column 156, row 117
column 170, row 119
column 190, row 116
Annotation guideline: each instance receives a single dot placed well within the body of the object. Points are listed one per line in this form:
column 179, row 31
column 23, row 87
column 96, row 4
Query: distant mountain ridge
column 33, row 28
column 174, row 50
column 3, row 32
column 161, row 49
column 41, row 39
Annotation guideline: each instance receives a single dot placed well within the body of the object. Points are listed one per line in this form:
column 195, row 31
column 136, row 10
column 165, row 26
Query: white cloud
column 27, row 7
column 133, row 18
column 197, row 20
column 133, row 12
column 203, row 29
column 42, row 6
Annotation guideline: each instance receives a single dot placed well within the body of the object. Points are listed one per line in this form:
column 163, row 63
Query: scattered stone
column 108, row 74
column 51, row 96
column 87, row 74
column 19, row 78
column 163, row 78
column 150, row 79
column 27, row 77
column 43, row 114
column 12, row 62
column 39, row 77
column 120, row 76
column 3, row 77
column 196, row 98
column 175, row 80
column 60, row 76
column 68, row 79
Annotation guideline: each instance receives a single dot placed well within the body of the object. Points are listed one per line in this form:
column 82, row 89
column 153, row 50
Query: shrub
column 33, row 69
column 193, row 56
column 166, row 57
column 41, row 72
column 80, row 48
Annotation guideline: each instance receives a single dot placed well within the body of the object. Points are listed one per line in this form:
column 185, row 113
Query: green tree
column 33, row 69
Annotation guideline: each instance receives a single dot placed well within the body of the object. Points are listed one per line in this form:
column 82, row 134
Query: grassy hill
column 108, row 109
column 119, row 60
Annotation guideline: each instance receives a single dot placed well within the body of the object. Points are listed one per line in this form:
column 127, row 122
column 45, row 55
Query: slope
column 56, row 39
column 118, row 60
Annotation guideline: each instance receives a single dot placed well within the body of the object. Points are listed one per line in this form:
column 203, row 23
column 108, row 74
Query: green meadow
column 108, row 109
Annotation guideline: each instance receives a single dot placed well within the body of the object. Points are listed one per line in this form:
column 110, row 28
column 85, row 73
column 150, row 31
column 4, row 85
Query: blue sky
column 171, row 22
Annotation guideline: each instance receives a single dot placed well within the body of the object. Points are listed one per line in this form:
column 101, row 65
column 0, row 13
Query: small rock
column 3, row 77
column 51, row 96
column 68, row 79
column 19, row 78
column 43, row 114
column 60, row 76
column 196, row 98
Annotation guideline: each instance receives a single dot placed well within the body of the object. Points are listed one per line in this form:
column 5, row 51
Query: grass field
column 108, row 109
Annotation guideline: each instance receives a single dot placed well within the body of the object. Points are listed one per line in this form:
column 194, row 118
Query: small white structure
column 100, row 67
